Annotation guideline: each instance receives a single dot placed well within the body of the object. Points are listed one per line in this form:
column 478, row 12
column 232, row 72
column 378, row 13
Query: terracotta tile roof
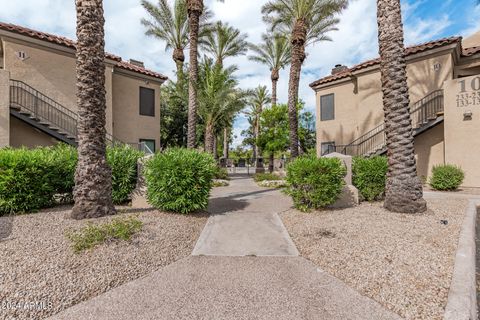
column 468, row 52
column 71, row 44
column 408, row 51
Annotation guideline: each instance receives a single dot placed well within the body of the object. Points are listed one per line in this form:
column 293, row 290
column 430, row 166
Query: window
column 147, row 102
column 148, row 143
column 327, row 107
column 327, row 147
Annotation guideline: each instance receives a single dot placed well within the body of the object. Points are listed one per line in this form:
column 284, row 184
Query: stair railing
column 422, row 112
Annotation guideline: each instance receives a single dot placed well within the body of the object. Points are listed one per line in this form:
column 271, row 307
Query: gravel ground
column 38, row 265
column 404, row 262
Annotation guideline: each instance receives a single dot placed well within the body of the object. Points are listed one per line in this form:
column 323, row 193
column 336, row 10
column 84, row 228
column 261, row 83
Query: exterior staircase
column 45, row 114
column 425, row 114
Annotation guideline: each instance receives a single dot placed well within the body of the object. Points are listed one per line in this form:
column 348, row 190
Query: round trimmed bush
column 180, row 180
column 314, row 182
column 369, row 176
column 446, row 177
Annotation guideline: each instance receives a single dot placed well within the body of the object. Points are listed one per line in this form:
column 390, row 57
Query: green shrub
column 123, row 162
column 95, row 234
column 369, row 176
column 32, row 179
column 265, row 176
column 446, row 177
column 29, row 179
column 221, row 173
column 314, row 182
column 180, row 180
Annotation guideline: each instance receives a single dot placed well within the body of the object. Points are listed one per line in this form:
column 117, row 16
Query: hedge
column 180, row 180
column 32, row 179
column 446, row 177
column 369, row 176
column 314, row 182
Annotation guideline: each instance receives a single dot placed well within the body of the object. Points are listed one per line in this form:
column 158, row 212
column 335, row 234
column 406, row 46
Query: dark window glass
column 327, row 147
column 147, row 102
column 327, row 107
column 149, row 143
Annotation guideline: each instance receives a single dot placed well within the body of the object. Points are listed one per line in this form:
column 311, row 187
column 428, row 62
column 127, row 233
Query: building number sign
column 469, row 94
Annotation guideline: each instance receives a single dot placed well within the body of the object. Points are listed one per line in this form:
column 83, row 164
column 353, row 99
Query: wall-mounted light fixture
column 467, row 115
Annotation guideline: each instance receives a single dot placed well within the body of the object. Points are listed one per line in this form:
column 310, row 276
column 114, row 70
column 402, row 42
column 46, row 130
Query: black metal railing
column 53, row 114
column 422, row 112
column 42, row 108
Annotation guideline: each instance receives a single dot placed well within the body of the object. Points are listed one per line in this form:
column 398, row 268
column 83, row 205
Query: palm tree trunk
column 195, row 8
column 256, row 133
column 274, row 78
column 403, row 191
column 93, row 177
column 215, row 141
column 179, row 58
column 225, row 143
column 209, row 137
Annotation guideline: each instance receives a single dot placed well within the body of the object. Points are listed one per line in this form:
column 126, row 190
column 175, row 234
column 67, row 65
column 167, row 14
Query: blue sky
column 355, row 41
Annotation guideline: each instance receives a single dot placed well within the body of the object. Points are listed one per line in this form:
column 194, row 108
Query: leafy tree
column 403, row 192
column 306, row 131
column 275, row 53
column 274, row 130
column 306, row 21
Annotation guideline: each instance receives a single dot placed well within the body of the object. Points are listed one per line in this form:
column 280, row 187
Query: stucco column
column 4, row 108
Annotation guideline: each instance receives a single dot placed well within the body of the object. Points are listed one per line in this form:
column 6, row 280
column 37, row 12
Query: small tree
column 273, row 136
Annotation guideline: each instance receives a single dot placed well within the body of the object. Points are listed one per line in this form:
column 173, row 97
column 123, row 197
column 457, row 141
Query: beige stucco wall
column 4, row 108
column 128, row 125
column 357, row 113
column 472, row 40
column 51, row 72
column 462, row 142
column 429, row 150
column 24, row 135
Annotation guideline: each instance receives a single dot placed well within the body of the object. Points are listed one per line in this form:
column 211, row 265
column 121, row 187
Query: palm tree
column 219, row 98
column 275, row 53
column 223, row 41
column 195, row 9
column 259, row 98
column 307, row 21
column 403, row 191
column 93, row 177
column 170, row 25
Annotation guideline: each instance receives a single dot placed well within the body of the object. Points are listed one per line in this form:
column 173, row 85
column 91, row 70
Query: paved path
column 244, row 266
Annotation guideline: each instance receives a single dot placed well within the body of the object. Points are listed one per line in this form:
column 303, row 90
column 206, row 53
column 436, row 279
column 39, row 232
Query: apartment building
column 38, row 93
column 444, row 88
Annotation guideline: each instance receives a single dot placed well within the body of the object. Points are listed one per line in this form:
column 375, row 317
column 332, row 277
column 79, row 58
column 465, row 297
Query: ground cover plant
column 265, row 176
column 369, row 176
column 94, row 234
column 313, row 182
column 180, row 180
column 446, row 177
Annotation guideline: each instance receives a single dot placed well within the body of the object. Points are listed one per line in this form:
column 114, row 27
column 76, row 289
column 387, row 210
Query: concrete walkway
column 244, row 266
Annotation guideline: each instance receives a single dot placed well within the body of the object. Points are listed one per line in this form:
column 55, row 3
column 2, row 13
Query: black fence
column 251, row 166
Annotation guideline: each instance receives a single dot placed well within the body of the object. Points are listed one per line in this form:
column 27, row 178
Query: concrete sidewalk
column 244, row 266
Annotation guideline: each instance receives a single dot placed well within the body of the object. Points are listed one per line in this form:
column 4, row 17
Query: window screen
column 147, row 102
column 327, row 107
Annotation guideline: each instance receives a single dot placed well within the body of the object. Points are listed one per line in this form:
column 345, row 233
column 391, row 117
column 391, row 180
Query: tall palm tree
column 219, row 98
column 275, row 53
column 259, row 99
column 170, row 25
column 403, row 191
column 307, row 21
column 195, row 9
column 223, row 41
column 93, row 178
